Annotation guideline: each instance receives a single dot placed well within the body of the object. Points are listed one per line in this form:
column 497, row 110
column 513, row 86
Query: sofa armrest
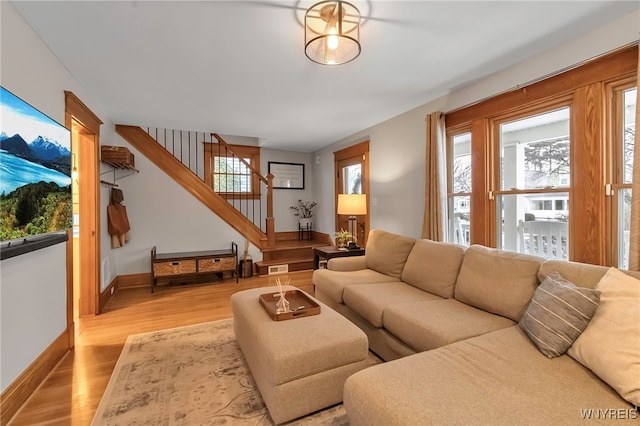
column 352, row 263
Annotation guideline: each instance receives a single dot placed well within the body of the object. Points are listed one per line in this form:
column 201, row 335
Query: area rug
column 193, row 375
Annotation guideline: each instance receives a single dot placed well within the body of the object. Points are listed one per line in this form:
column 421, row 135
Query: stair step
column 291, row 253
column 292, row 265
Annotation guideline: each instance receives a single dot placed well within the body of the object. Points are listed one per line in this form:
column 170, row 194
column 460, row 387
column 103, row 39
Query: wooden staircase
column 290, row 253
column 282, row 251
column 200, row 189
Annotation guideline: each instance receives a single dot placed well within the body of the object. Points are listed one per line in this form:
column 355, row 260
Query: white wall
column 397, row 146
column 285, row 198
column 33, row 304
column 163, row 214
column 33, row 286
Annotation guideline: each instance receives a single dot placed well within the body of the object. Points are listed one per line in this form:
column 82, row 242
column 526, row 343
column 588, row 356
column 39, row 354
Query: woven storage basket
column 175, row 267
column 217, row 264
column 117, row 156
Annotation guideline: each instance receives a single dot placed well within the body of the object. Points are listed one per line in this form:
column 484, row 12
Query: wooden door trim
column 75, row 109
column 361, row 148
column 351, row 151
column 81, row 112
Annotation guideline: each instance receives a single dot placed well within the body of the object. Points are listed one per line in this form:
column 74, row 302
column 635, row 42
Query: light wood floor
column 71, row 393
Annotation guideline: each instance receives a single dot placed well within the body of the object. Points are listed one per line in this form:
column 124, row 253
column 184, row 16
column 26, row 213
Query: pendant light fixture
column 332, row 32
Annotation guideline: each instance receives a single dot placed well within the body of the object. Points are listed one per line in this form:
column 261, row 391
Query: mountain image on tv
column 35, row 171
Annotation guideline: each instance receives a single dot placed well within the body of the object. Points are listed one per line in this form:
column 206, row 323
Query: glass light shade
column 352, row 204
column 332, row 32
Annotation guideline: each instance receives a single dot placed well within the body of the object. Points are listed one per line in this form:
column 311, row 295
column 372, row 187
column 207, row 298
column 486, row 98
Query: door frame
column 89, row 207
column 359, row 149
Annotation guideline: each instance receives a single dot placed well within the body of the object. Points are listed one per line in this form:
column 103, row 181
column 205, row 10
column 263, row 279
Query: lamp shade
column 332, row 32
column 352, row 204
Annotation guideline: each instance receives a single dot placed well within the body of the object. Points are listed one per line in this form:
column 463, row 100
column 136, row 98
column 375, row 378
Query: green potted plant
column 304, row 211
column 342, row 238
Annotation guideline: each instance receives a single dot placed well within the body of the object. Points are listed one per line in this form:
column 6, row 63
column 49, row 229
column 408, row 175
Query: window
column 561, row 139
column 534, row 162
column 459, row 184
column 352, row 179
column 623, row 139
column 230, row 173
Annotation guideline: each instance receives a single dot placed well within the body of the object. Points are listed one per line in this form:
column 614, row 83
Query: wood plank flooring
column 71, row 393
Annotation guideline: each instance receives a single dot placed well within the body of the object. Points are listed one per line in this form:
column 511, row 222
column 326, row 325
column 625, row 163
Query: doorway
column 352, row 177
column 85, row 135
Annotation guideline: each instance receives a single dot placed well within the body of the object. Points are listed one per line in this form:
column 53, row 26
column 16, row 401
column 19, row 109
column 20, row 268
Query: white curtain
column 634, row 242
column 434, row 226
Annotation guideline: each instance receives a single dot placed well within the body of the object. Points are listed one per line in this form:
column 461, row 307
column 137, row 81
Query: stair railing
column 226, row 171
column 244, row 176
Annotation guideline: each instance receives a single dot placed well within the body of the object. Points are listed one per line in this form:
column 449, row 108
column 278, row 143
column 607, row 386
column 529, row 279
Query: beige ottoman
column 300, row 365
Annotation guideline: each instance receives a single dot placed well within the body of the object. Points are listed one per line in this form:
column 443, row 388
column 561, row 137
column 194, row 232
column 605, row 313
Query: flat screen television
column 35, row 171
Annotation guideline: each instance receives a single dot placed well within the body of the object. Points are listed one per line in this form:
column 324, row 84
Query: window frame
column 451, row 196
column 236, row 151
column 496, row 191
column 616, row 167
column 585, row 85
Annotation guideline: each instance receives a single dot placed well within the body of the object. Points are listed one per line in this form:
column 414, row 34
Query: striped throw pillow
column 558, row 312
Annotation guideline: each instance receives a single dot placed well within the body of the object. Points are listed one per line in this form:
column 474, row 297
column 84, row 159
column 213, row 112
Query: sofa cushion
column 433, row 266
column 610, row 345
column 558, row 313
column 333, row 283
column 581, row 274
column 428, row 325
column 500, row 378
column 349, row 263
column 387, row 252
column 370, row 300
column 500, row 282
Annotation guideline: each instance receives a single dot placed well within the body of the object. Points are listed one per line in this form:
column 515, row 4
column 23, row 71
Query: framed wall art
column 287, row 175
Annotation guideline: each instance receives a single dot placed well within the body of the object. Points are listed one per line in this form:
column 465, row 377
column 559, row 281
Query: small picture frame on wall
column 287, row 175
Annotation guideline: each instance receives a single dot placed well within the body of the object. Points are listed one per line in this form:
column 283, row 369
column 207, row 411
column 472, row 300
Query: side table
column 329, row 252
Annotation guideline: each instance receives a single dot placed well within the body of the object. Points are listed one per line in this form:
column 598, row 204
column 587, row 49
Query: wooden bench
column 195, row 266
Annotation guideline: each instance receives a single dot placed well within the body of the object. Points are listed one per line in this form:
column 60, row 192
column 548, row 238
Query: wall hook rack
column 116, row 176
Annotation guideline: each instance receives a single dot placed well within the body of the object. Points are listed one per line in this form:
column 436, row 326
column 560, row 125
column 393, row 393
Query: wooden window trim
column 614, row 90
column 584, row 87
column 525, row 112
column 242, row 151
column 451, row 134
column 608, row 67
column 615, row 167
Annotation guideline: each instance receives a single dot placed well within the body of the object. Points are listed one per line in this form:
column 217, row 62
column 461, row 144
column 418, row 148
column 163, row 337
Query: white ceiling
column 238, row 67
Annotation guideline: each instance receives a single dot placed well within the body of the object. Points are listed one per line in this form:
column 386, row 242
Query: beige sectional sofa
column 447, row 319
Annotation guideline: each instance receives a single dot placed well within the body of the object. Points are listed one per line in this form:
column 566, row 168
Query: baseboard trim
column 134, row 280
column 107, row 294
column 22, row 387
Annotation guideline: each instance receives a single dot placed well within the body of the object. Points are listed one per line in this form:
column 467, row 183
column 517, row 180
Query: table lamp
column 352, row 205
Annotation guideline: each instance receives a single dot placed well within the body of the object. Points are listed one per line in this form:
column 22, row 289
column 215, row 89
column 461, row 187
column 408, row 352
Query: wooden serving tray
column 300, row 304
